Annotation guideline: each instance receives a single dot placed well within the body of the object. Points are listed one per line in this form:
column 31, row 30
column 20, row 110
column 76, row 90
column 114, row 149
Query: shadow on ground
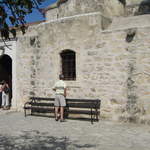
column 35, row 140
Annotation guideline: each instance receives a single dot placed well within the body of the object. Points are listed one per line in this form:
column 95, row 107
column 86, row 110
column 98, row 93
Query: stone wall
column 121, row 23
column 112, row 65
column 132, row 2
column 108, row 8
column 33, row 49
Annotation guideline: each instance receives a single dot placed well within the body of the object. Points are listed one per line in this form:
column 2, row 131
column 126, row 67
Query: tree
column 144, row 7
column 14, row 11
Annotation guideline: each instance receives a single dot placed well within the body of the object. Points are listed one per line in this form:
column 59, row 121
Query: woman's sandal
column 56, row 119
column 62, row 120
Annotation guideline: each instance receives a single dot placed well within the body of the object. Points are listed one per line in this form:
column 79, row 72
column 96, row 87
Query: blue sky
column 36, row 16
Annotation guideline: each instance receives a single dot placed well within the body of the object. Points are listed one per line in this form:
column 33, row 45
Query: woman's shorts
column 59, row 100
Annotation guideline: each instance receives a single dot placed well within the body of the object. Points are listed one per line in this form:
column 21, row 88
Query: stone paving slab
column 41, row 133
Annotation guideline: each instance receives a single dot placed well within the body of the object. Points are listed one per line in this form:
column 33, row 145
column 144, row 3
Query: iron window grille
column 68, row 58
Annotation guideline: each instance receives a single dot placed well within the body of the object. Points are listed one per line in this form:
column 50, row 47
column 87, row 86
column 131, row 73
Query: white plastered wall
column 9, row 48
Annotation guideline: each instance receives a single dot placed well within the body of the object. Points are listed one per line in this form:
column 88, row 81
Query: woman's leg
column 62, row 113
column 7, row 101
column 56, row 113
column 0, row 99
column 3, row 99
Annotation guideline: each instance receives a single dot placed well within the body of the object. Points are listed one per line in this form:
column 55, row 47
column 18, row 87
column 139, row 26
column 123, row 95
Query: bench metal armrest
column 26, row 106
column 27, row 103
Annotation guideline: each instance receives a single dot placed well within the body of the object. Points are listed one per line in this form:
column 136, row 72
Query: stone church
column 102, row 47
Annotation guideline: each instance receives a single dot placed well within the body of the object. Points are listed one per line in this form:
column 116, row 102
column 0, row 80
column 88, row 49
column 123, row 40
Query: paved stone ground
column 40, row 133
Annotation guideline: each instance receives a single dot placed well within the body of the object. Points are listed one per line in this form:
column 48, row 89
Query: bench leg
column 31, row 111
column 25, row 113
column 91, row 116
column 66, row 112
column 97, row 115
column 54, row 112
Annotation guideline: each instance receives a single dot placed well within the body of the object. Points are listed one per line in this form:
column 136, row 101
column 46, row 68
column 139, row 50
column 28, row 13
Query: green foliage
column 15, row 11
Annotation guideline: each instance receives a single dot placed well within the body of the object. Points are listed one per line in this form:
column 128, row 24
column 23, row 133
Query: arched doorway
column 6, row 71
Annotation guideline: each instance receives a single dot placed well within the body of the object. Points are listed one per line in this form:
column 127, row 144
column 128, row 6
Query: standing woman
column 0, row 94
column 60, row 95
column 5, row 95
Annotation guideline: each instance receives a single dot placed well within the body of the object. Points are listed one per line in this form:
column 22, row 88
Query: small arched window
column 68, row 60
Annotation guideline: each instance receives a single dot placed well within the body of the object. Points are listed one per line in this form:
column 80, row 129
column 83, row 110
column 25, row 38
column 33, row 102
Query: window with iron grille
column 68, row 59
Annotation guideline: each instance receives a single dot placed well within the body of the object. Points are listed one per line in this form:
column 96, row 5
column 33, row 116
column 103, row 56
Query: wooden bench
column 40, row 106
column 89, row 107
column 45, row 107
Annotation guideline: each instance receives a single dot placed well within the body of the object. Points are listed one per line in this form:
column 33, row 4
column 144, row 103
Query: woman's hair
column 61, row 76
column 3, row 82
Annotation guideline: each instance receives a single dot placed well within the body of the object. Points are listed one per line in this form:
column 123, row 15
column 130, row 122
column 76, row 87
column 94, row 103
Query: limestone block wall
column 108, row 66
column 132, row 2
column 108, row 8
column 74, row 7
column 140, row 75
column 133, row 74
column 38, row 55
column 130, row 22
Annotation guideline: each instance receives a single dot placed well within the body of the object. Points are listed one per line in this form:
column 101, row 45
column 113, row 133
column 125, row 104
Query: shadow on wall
column 35, row 140
column 144, row 8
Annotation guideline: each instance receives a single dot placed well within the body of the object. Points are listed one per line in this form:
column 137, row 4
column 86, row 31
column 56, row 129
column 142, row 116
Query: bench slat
column 42, row 110
column 83, row 100
column 42, row 98
column 81, row 105
column 82, row 112
column 42, row 104
column 27, row 107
